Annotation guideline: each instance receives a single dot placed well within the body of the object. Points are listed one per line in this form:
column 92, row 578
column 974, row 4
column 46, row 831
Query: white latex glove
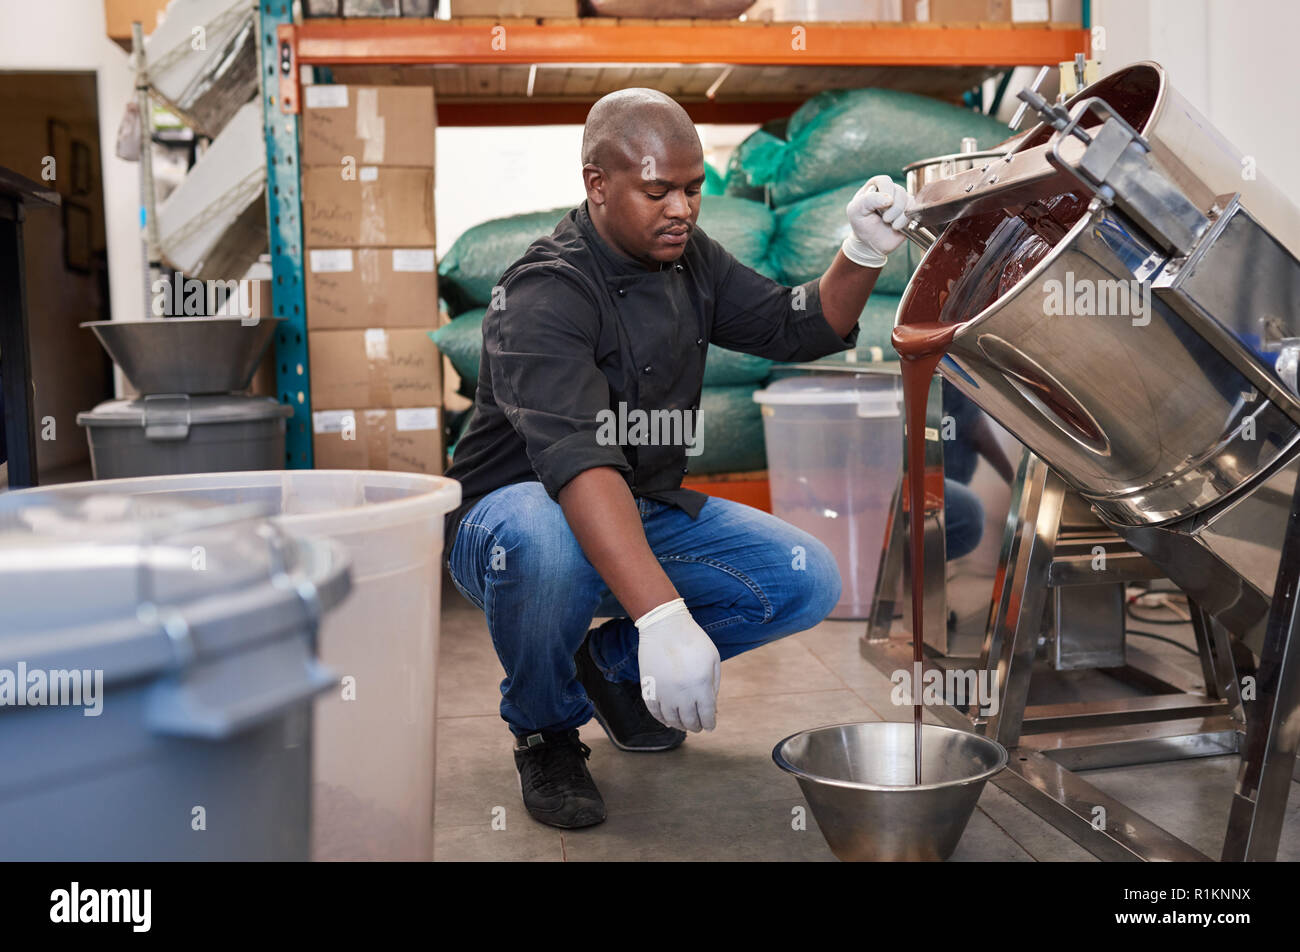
column 682, row 666
column 877, row 213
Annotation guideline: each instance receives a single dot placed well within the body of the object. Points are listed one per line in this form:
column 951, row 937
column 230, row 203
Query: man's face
column 649, row 208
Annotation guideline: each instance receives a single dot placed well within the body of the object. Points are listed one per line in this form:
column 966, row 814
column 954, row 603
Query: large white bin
column 373, row 757
column 834, row 454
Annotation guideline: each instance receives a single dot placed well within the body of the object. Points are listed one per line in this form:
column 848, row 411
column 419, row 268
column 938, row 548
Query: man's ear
column 593, row 177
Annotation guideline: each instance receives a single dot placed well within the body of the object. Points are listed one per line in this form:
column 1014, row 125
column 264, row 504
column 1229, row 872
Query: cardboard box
column 1062, row 11
column 375, row 367
column 806, row 11
column 381, row 208
column 406, row 439
column 993, row 11
column 356, row 288
column 375, row 125
column 957, row 11
column 514, row 8
column 120, row 14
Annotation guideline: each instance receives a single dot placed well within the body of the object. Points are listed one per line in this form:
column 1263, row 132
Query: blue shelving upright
column 284, row 225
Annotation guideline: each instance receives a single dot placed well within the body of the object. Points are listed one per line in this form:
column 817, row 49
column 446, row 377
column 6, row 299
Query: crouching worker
column 569, row 514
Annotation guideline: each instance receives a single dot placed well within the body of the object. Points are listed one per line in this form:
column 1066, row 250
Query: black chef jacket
column 580, row 327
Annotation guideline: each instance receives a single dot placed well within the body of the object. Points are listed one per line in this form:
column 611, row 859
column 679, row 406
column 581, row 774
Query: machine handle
column 914, row 231
column 166, row 423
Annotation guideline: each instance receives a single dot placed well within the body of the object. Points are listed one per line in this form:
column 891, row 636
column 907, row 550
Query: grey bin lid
column 169, row 416
column 139, row 586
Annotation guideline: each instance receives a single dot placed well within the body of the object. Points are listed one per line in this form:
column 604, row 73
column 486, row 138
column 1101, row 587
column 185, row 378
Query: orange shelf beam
column 543, row 112
column 401, row 41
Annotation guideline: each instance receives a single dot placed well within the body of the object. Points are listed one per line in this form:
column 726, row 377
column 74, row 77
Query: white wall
column 70, row 35
column 1231, row 59
column 491, row 172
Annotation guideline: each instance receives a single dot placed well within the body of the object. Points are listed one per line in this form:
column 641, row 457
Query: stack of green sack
column 832, row 145
column 474, row 264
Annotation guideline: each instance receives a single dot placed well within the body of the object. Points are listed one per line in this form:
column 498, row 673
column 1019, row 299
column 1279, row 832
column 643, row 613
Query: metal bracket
column 1115, row 166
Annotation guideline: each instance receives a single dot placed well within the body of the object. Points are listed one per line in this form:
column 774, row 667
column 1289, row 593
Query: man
column 613, row 313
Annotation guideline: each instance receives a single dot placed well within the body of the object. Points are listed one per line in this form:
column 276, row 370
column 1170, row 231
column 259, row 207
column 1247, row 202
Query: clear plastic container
column 374, row 755
column 834, row 455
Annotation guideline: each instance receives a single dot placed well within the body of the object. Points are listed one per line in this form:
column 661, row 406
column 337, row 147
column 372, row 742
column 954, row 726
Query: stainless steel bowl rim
column 800, row 773
column 184, row 320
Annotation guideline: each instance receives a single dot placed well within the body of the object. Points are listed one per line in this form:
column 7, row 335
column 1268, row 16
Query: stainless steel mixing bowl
column 858, row 779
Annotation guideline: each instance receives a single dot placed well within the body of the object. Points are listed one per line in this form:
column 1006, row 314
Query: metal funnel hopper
column 187, row 354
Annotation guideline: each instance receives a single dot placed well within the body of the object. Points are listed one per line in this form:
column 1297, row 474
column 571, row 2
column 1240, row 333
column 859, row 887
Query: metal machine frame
column 1183, row 719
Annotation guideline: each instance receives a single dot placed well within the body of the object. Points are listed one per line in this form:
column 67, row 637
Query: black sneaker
column 554, row 780
column 621, row 710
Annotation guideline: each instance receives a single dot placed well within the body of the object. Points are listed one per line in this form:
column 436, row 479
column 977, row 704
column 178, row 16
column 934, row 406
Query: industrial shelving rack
column 507, row 47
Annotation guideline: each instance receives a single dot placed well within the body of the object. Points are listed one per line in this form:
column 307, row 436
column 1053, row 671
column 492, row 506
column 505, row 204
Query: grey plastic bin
column 193, row 638
column 170, row 434
column 375, row 737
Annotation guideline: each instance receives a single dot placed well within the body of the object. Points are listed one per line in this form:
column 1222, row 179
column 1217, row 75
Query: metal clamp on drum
column 1114, row 166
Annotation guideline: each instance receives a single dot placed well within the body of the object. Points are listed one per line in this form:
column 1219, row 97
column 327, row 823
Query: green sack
column 462, row 342
column 847, row 136
column 475, row 262
column 874, row 329
column 741, row 226
column 808, row 233
column 814, row 107
column 875, row 325
column 726, row 368
column 732, row 429
column 737, row 182
column 714, row 183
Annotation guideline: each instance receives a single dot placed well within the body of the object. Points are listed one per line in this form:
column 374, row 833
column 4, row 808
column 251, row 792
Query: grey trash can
column 176, row 648
column 170, row 434
column 374, row 739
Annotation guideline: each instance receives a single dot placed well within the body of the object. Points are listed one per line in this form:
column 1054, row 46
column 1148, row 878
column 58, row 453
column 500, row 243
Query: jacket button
column 699, row 341
column 679, row 267
column 685, row 470
column 622, row 292
column 648, row 369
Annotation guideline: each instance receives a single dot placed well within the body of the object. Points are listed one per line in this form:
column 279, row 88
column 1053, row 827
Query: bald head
column 643, row 169
column 627, row 125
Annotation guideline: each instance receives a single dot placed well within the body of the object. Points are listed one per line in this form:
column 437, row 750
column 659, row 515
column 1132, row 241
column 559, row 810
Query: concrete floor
column 720, row 797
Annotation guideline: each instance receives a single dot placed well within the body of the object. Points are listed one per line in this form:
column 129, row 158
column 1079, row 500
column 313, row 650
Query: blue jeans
column 747, row 577
column 963, row 519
